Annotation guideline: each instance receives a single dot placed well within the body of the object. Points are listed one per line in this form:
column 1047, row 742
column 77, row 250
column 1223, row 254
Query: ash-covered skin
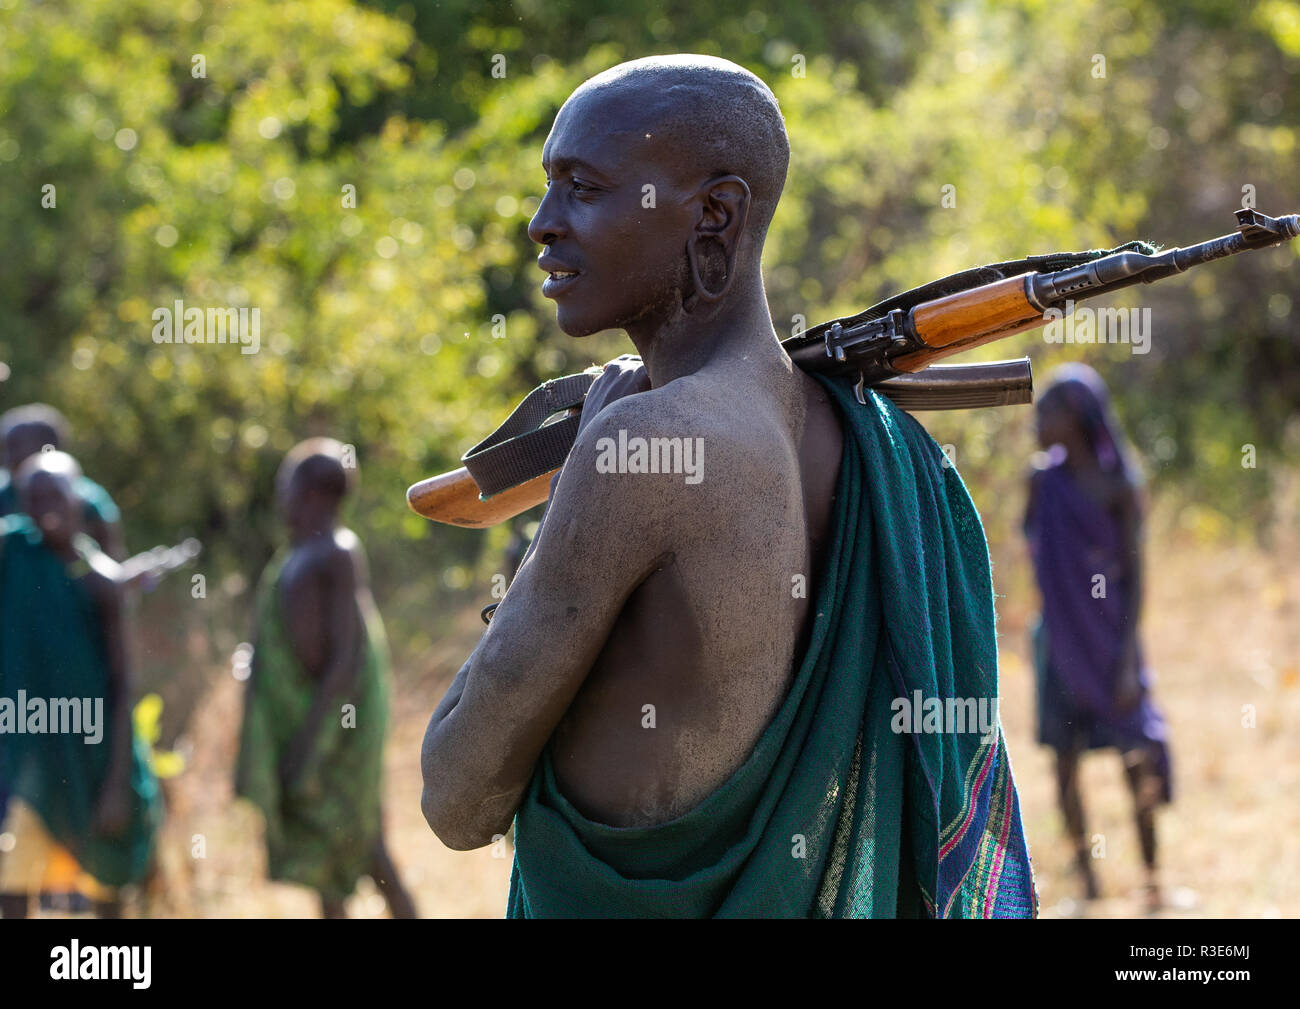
column 642, row 589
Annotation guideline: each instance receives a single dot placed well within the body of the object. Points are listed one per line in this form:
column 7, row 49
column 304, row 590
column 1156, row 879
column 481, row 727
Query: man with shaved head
column 683, row 700
column 316, row 708
column 63, row 641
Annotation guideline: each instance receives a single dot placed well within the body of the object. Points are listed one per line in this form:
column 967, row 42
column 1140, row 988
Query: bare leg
column 1071, row 802
column 384, row 873
column 1145, row 784
column 14, row 905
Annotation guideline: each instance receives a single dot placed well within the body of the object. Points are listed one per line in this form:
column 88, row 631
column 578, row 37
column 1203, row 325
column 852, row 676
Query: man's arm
column 1031, row 486
column 112, row 811
column 102, row 520
column 1129, row 685
column 598, row 543
column 325, row 635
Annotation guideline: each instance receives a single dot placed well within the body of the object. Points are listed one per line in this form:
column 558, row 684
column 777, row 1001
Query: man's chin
column 578, row 327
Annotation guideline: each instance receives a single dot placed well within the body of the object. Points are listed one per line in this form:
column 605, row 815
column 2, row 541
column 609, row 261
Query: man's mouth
column 559, row 275
column 558, row 281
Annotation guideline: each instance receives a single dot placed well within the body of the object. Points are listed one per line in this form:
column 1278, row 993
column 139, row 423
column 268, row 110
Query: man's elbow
column 458, row 821
column 453, row 825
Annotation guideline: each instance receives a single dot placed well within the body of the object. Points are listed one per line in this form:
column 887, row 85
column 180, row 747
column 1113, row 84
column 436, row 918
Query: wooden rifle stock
column 453, row 499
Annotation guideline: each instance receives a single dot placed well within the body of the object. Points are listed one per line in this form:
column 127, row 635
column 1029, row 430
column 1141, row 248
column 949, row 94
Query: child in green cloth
column 312, row 745
column 79, row 776
column 24, row 431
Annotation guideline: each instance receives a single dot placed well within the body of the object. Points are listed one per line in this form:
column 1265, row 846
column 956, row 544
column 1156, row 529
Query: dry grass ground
column 1221, row 629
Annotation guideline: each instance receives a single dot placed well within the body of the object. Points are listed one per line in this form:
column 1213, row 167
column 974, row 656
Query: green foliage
column 379, row 320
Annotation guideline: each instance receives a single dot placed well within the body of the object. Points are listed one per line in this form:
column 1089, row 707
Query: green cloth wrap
column 51, row 646
column 834, row 814
column 323, row 832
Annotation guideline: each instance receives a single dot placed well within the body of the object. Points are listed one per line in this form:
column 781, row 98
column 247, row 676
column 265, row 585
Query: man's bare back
column 710, row 638
column 317, row 572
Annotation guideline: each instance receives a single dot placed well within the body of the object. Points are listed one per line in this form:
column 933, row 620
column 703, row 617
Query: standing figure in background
column 1084, row 526
column 316, row 709
column 24, row 431
column 79, row 774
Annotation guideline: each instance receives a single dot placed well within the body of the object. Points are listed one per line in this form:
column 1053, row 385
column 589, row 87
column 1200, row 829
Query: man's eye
column 581, row 187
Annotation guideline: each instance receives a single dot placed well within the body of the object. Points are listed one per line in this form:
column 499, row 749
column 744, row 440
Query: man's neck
column 739, row 330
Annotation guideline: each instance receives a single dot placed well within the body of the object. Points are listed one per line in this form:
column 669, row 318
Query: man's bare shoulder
column 326, row 560
column 703, row 406
column 691, row 428
column 350, row 546
column 675, row 462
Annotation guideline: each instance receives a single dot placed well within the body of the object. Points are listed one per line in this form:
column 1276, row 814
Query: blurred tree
column 359, row 175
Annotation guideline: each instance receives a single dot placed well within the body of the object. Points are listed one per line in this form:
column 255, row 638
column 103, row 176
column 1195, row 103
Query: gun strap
column 525, row 446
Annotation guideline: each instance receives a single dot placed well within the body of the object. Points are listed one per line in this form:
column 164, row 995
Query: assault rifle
column 891, row 347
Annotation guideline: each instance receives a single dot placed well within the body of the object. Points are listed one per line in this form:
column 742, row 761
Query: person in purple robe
column 1084, row 527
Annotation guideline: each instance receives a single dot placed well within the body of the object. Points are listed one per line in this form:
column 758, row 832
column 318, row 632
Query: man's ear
column 723, row 210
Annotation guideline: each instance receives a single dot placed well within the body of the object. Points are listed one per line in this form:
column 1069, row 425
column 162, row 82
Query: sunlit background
column 204, row 152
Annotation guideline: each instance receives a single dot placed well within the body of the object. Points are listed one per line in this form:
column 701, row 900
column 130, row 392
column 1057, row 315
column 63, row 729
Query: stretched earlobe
column 702, row 292
column 727, row 200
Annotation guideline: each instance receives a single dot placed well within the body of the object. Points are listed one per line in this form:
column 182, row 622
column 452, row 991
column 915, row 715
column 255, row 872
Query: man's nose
column 546, row 227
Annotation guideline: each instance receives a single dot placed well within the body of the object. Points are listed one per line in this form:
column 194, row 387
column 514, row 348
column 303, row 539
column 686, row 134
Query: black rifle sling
column 525, row 446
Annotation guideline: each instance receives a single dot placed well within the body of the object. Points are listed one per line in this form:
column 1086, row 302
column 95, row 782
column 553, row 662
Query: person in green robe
column 78, row 773
column 316, row 707
column 24, row 431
